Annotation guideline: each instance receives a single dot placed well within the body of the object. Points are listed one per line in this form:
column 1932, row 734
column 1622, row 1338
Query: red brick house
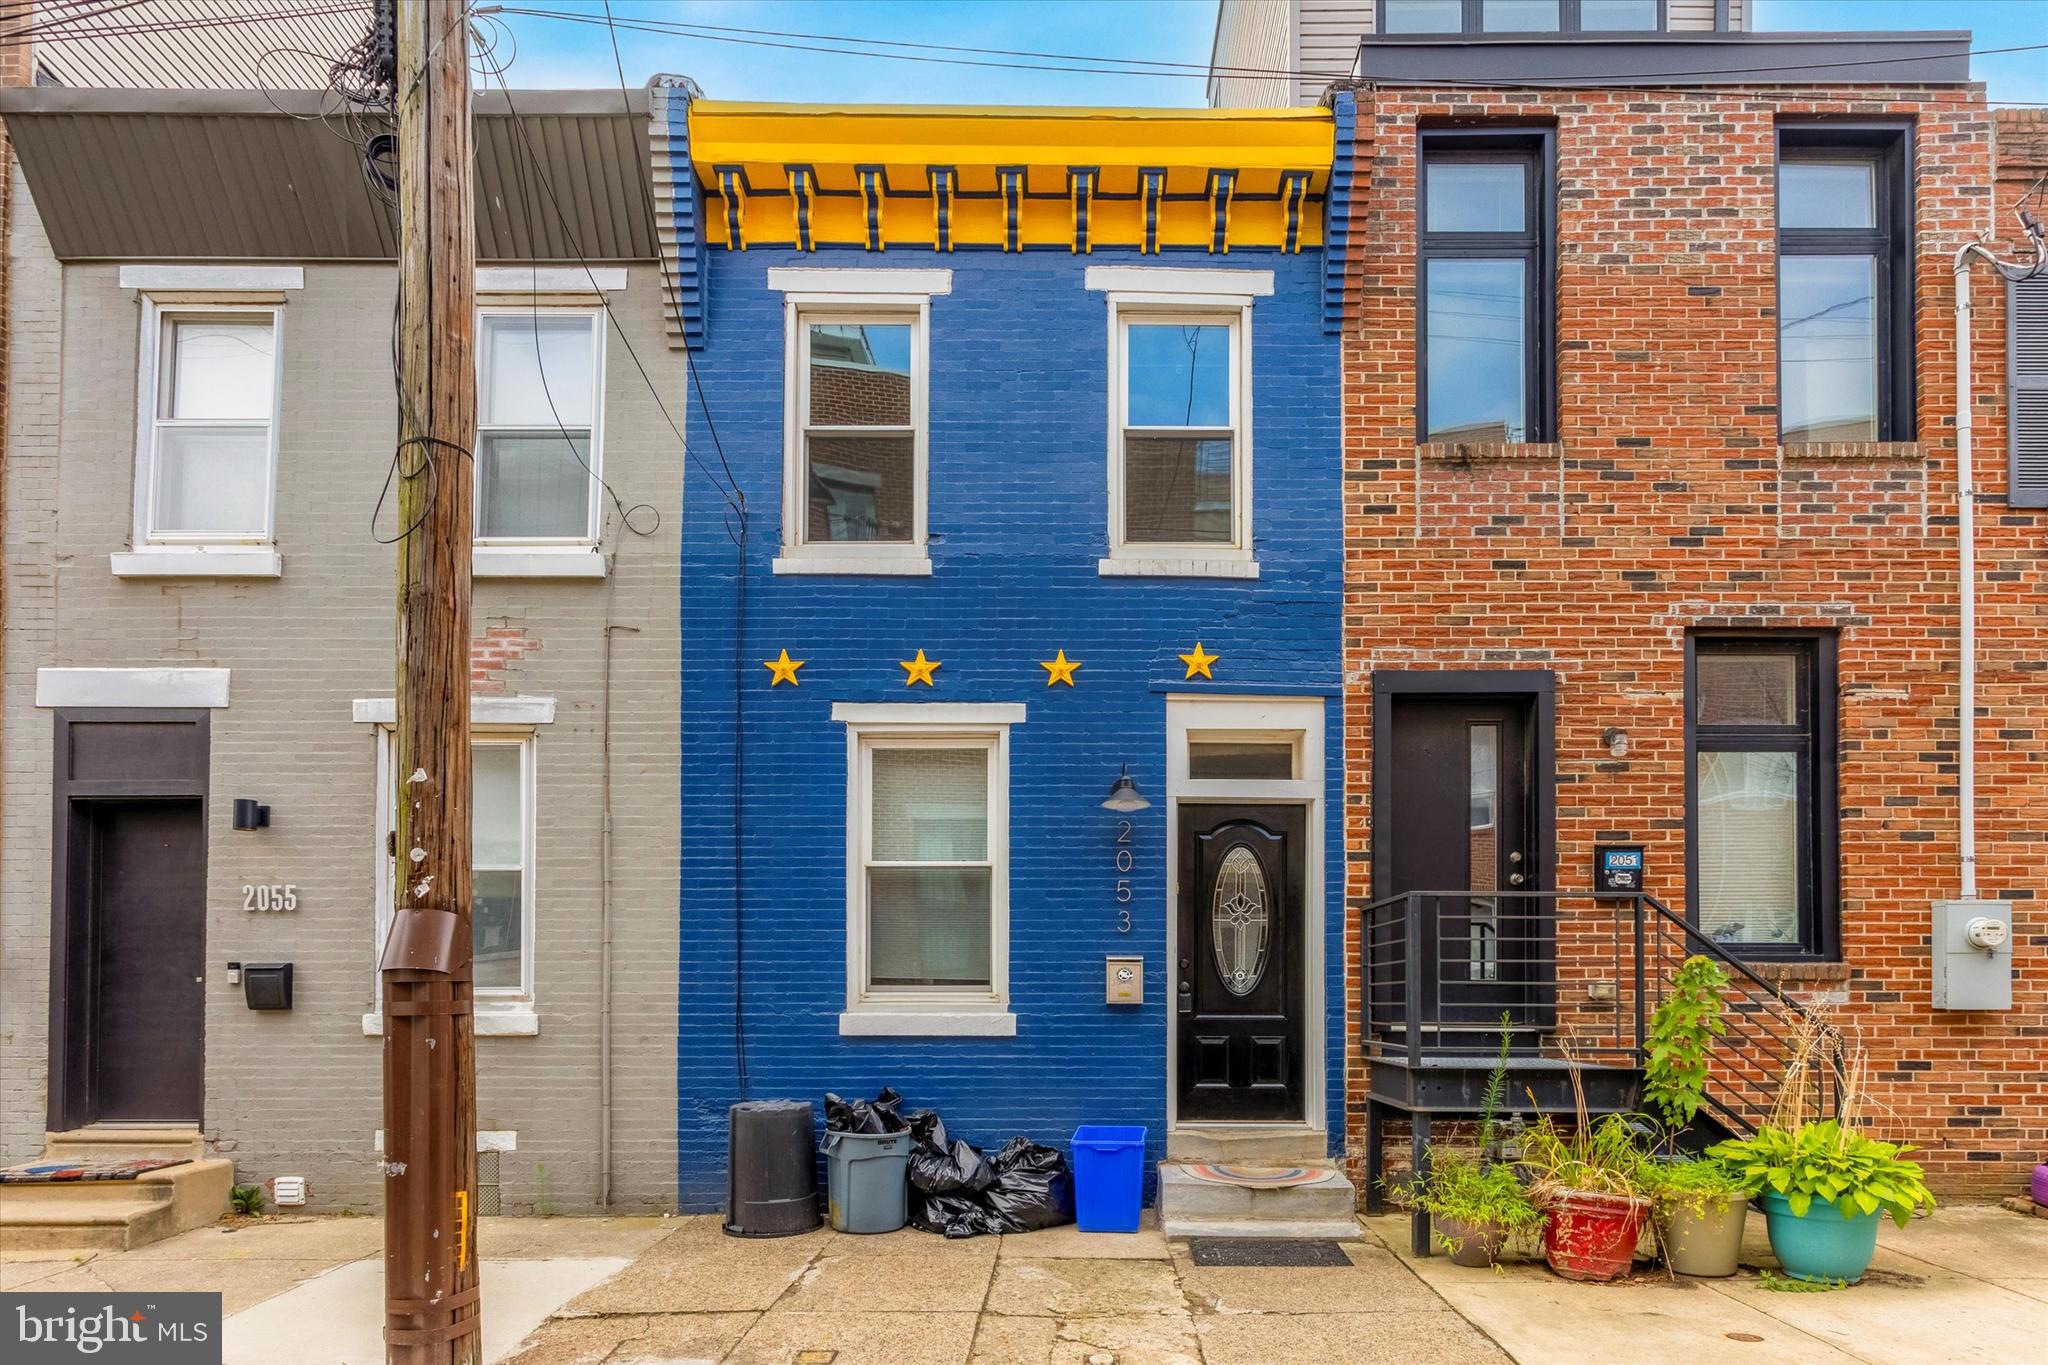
column 1652, row 516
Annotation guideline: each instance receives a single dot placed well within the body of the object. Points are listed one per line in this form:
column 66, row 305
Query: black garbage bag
column 864, row 1116
column 1033, row 1188
column 939, row 1165
column 1024, row 1188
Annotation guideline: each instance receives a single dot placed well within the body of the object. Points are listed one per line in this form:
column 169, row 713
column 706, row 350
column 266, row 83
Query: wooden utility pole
column 433, row 1309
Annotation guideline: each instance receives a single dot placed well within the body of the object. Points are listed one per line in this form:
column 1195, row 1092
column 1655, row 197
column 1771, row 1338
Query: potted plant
column 1476, row 1203
column 1587, row 1183
column 1699, row 1207
column 1823, row 1186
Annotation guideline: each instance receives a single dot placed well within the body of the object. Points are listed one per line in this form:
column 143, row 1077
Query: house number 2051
column 271, row 897
column 1123, row 881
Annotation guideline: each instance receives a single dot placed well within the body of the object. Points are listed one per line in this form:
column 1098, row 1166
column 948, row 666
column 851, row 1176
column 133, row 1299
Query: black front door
column 1238, row 990
column 1461, row 820
column 141, row 891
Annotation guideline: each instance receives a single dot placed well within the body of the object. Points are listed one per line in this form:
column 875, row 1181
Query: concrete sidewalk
column 1969, row 1284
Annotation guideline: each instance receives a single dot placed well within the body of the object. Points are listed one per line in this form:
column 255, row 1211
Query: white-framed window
column 211, row 382
column 540, row 425
column 856, row 419
column 1180, row 419
column 502, row 826
column 927, row 868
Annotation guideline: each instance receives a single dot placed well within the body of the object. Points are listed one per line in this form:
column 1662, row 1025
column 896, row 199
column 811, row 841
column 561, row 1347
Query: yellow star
column 1059, row 669
column 1199, row 661
column 783, row 669
column 918, row 669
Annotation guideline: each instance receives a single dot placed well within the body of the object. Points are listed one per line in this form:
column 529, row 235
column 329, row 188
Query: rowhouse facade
column 1023, row 478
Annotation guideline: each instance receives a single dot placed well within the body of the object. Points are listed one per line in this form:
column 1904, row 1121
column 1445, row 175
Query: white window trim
column 494, row 559
column 593, row 507
column 550, row 279
column 1230, row 302
column 826, row 296
column 932, row 1012
column 499, row 1013
column 197, row 561
column 238, row 279
column 147, row 543
column 181, row 687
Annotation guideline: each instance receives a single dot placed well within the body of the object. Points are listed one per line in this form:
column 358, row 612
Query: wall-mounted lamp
column 1124, row 794
column 1616, row 740
column 250, row 815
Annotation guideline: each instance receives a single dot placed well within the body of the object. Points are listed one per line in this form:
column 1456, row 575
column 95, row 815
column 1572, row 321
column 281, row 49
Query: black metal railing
column 1574, row 974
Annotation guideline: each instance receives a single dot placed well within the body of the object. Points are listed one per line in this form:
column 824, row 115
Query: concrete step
column 93, row 1144
column 1192, row 1206
column 1265, row 1144
column 114, row 1215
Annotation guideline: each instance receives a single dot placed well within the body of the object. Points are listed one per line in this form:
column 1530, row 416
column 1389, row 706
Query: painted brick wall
column 1668, row 504
column 1018, row 521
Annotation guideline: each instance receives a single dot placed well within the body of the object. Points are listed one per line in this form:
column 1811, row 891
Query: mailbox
column 1123, row 981
column 1617, row 869
column 267, row 985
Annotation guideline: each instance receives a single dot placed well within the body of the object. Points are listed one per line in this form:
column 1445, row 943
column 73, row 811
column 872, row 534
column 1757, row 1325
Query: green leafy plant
column 1682, row 1034
column 1831, row 1163
column 1600, row 1155
column 1496, row 1089
column 1467, row 1190
column 247, row 1199
column 1691, row 1186
column 1785, row 1284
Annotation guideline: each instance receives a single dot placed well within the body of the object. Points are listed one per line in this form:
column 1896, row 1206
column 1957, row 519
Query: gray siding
column 1252, row 34
column 299, row 1093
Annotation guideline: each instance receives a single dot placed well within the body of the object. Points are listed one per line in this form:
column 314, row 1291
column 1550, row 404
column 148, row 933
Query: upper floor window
column 1180, row 405
column 1845, row 284
column 1521, row 16
column 211, row 437
column 1760, row 730
column 1486, row 300
column 539, row 425
column 861, row 429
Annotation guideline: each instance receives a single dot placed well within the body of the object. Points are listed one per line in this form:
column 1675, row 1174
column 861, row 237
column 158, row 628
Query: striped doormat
column 73, row 1172
column 1255, row 1177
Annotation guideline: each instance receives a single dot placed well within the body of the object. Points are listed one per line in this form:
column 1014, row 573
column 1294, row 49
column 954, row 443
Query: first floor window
column 1487, row 318
column 930, row 880
column 539, row 380
column 1760, row 713
column 212, row 423
column 502, row 840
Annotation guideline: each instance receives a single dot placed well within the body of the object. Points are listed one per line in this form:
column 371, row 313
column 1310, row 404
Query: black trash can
column 771, row 1163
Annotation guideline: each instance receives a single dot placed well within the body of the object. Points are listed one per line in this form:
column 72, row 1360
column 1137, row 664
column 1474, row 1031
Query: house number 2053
column 1123, row 881
column 270, row 897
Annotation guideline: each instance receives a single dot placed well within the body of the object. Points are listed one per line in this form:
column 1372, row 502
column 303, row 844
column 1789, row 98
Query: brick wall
column 1667, row 504
column 1018, row 522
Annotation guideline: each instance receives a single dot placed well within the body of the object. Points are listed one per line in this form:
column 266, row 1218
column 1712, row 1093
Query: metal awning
column 247, row 175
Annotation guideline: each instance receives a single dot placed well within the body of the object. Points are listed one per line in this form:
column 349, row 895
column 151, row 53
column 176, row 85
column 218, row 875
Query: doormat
column 74, row 1172
column 1259, row 1177
column 1266, row 1251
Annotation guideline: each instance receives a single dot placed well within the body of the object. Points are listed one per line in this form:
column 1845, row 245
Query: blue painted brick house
column 1039, row 480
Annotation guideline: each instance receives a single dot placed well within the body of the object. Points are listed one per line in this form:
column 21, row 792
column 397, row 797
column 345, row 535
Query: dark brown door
column 1238, row 991
column 1462, row 823
column 144, row 888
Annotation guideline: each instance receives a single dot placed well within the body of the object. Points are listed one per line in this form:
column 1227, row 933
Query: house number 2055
column 1123, row 882
column 271, row 897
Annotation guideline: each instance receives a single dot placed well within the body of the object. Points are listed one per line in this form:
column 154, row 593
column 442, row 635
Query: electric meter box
column 1972, row 944
column 1123, row 981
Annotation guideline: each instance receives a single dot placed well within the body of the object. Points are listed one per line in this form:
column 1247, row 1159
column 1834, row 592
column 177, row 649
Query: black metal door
column 1462, row 822
column 1238, row 990
column 145, row 893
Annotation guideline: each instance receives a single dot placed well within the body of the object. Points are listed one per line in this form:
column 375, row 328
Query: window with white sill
column 539, row 426
column 1180, row 484
column 210, row 421
column 502, row 828
column 857, row 449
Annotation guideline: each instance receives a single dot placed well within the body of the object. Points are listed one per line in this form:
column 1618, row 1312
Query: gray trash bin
column 867, row 1180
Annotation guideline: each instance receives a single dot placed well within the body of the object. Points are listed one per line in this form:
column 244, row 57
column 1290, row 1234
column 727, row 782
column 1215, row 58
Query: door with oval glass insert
column 1238, row 984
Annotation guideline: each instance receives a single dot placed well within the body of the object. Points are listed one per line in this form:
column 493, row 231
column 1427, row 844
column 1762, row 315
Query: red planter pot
column 1591, row 1236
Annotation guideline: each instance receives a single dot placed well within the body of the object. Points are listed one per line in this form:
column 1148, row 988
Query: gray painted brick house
column 199, row 588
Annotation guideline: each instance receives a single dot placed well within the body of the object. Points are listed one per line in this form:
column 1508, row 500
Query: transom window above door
column 539, row 375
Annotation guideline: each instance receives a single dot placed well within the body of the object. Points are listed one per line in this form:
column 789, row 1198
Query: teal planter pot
column 1824, row 1245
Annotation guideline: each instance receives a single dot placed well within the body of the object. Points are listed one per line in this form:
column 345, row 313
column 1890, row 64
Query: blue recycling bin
column 1109, row 1177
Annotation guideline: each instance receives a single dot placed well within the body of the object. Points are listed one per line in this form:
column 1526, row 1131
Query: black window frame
column 1888, row 147
column 1471, row 20
column 1816, row 739
column 1535, row 149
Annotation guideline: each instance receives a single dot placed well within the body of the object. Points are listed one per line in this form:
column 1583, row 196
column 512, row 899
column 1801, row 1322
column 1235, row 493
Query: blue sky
column 551, row 52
